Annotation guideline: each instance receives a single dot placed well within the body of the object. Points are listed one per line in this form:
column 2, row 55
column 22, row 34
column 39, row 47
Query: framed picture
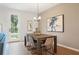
column 56, row 24
column 30, row 25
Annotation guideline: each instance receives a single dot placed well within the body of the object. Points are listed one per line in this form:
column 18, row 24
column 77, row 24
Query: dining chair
column 48, row 46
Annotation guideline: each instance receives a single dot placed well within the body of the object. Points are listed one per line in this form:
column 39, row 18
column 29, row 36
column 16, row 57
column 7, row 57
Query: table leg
column 25, row 40
column 55, row 44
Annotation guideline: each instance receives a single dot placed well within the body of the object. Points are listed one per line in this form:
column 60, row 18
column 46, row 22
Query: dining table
column 42, row 37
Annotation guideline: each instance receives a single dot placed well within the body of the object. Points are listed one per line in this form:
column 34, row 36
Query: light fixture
column 38, row 17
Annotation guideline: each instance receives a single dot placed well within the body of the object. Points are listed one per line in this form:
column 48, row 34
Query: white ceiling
column 29, row 7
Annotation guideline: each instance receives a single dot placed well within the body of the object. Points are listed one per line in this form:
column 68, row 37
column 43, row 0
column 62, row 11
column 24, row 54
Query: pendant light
column 38, row 17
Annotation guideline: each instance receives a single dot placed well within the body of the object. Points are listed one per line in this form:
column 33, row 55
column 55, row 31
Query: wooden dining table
column 43, row 37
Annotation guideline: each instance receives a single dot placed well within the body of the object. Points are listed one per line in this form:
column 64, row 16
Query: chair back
column 49, row 43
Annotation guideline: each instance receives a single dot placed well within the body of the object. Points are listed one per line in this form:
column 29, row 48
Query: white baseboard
column 77, row 50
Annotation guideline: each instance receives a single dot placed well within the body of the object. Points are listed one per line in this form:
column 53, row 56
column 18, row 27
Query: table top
column 41, row 36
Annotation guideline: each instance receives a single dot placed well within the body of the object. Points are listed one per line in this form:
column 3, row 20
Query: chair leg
column 24, row 40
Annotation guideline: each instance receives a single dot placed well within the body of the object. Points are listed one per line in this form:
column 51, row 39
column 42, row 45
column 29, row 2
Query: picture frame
column 55, row 23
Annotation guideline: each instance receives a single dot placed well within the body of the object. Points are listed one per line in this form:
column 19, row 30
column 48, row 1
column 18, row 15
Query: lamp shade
column 39, row 17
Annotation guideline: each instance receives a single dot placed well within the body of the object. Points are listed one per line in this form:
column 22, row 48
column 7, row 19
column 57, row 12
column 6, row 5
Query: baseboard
column 77, row 50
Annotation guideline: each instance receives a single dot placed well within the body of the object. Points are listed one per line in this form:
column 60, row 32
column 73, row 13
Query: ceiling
column 29, row 7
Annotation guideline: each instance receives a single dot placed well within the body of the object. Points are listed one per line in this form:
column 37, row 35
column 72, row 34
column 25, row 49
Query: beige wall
column 70, row 37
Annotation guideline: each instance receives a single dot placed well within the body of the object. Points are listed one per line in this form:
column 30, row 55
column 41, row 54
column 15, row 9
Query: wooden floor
column 65, row 51
column 18, row 48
